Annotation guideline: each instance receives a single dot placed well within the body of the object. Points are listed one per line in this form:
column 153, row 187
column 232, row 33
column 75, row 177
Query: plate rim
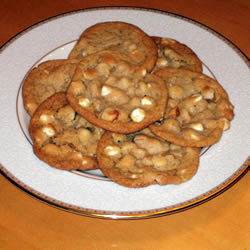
column 151, row 213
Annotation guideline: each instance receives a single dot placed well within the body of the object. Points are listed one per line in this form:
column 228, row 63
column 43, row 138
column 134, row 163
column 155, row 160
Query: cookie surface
column 173, row 54
column 61, row 137
column 197, row 112
column 116, row 95
column 141, row 159
column 46, row 79
column 117, row 36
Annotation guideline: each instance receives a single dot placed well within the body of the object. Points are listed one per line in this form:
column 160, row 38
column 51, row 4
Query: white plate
column 219, row 167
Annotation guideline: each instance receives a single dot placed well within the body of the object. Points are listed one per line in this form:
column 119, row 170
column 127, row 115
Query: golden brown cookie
column 173, row 54
column 46, row 79
column 117, row 36
column 197, row 112
column 141, row 159
column 116, row 95
column 61, row 137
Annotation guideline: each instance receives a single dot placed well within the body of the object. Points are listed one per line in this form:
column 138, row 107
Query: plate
column 89, row 193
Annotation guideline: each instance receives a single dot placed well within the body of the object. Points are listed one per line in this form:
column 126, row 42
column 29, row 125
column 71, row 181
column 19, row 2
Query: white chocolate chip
column 137, row 115
column 31, row 107
column 84, row 102
column 77, row 155
column 194, row 137
column 147, row 100
column 144, row 72
column 197, row 98
column 191, row 134
column 226, row 123
column 106, row 90
column 208, row 93
column 197, row 126
column 45, row 119
column 84, row 162
column 133, row 176
column 49, row 131
column 112, row 150
column 161, row 62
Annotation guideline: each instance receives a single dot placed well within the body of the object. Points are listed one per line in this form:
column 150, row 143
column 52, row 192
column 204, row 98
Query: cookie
column 173, row 54
column 117, row 36
column 197, row 112
column 141, row 159
column 116, row 95
column 46, row 79
column 61, row 137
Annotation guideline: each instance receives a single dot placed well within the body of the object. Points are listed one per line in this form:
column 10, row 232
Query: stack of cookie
column 134, row 106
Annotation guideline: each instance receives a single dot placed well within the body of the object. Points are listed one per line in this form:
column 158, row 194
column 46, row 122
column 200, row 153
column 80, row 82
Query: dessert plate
column 89, row 193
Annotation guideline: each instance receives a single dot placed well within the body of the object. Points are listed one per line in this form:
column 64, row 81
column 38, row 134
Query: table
column 221, row 223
